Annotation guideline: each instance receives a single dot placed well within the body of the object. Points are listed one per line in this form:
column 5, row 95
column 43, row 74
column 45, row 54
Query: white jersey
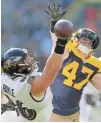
column 86, row 108
column 29, row 107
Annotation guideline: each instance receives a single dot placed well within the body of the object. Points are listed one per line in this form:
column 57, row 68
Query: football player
column 24, row 90
column 79, row 67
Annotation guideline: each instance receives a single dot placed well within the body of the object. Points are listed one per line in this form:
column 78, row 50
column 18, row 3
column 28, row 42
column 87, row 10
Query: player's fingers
column 49, row 9
column 46, row 11
column 58, row 6
column 53, row 6
column 49, row 18
column 63, row 13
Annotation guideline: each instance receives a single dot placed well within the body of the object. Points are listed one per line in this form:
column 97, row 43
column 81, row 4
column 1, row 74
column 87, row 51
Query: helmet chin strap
column 84, row 49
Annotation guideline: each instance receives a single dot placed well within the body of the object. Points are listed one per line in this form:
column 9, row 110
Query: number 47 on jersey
column 71, row 76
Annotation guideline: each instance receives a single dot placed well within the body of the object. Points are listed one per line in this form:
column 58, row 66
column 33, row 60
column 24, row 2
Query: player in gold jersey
column 79, row 67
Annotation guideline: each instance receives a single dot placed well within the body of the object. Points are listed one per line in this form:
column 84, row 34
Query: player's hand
column 54, row 12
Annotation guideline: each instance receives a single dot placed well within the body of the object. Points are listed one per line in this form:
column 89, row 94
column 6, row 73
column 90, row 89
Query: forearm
column 54, row 63
column 53, row 36
column 52, row 67
column 96, row 81
column 54, row 39
column 97, row 86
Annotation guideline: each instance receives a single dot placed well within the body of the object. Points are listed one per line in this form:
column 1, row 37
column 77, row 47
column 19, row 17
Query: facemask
column 84, row 49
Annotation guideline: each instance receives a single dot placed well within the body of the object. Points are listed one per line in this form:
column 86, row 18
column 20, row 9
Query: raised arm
column 55, row 15
column 54, row 39
column 54, row 62
column 51, row 69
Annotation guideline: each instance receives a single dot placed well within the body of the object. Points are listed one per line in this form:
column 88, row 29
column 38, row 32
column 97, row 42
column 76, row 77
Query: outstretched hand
column 54, row 12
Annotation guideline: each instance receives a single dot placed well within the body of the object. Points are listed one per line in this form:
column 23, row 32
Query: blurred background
column 26, row 25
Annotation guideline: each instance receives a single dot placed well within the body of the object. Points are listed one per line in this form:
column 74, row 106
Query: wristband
column 60, row 46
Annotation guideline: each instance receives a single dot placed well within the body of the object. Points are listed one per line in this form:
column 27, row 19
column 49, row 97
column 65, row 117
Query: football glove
column 54, row 14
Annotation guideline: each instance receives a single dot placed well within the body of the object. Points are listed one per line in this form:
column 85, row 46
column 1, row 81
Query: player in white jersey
column 25, row 96
column 30, row 107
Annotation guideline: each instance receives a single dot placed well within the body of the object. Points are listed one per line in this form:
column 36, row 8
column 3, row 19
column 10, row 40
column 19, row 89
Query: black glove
column 54, row 14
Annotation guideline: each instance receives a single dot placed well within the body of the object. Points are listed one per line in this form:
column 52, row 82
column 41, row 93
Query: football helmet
column 17, row 61
column 91, row 35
